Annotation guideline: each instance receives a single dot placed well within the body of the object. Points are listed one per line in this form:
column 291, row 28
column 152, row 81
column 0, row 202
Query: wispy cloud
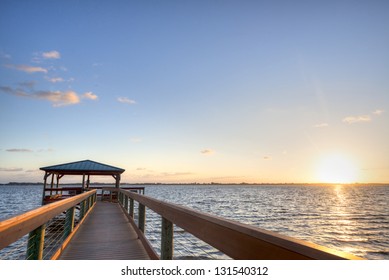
column 27, row 68
column 207, row 152
column 15, row 169
column 378, row 112
column 363, row 118
column 12, row 91
column 51, row 55
column 357, row 119
column 19, row 150
column 170, row 174
column 57, row 98
column 90, row 95
column 267, row 157
column 55, row 80
column 321, row 125
column 126, row 100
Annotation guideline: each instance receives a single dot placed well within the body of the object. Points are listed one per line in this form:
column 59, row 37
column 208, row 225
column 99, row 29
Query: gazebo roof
column 84, row 167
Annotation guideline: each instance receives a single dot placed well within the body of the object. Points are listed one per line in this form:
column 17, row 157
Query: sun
column 337, row 169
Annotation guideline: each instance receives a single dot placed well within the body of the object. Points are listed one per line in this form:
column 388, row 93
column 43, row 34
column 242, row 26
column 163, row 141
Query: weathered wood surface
column 106, row 234
column 237, row 240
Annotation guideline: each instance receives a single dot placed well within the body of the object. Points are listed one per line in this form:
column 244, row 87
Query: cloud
column 57, row 98
column 321, row 125
column 378, row 112
column 27, row 68
column 19, row 150
column 267, row 157
column 15, row 92
column 207, row 152
column 51, row 55
column 357, row 119
column 32, row 170
column 55, row 80
column 11, row 169
column 90, row 95
column 126, row 100
column 169, row 174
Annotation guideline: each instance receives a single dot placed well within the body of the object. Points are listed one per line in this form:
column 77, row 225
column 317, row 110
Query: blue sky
column 197, row 91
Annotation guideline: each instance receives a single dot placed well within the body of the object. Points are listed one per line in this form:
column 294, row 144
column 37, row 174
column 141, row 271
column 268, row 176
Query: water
column 353, row 219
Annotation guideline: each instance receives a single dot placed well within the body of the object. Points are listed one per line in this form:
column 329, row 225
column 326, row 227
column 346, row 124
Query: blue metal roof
column 83, row 167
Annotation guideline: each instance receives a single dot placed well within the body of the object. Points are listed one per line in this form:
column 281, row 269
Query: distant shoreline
column 201, row 184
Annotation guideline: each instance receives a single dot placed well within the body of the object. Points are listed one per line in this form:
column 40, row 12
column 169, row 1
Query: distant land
column 194, row 183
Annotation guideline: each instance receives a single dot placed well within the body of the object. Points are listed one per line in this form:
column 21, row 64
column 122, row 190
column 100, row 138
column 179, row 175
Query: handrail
column 15, row 228
column 237, row 240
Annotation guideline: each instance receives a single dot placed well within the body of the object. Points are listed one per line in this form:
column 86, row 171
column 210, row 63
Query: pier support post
column 35, row 244
column 166, row 240
column 142, row 217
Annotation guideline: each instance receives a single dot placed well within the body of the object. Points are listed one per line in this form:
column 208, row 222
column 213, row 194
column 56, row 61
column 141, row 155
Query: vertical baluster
column 166, row 240
column 131, row 208
column 126, row 203
column 35, row 244
column 69, row 221
column 142, row 217
column 82, row 210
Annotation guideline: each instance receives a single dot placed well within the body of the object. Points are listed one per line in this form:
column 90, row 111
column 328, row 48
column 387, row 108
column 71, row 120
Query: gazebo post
column 58, row 178
column 83, row 182
column 47, row 174
column 52, row 184
column 117, row 180
column 57, row 184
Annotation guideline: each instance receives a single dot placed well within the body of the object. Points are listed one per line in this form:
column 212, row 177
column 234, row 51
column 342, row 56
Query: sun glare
column 337, row 169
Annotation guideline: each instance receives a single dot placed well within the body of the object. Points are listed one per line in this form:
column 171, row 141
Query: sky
column 197, row 91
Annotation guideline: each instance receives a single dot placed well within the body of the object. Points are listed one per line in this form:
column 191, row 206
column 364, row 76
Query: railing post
column 69, row 222
column 36, row 240
column 142, row 217
column 166, row 240
column 131, row 208
column 82, row 210
column 126, row 203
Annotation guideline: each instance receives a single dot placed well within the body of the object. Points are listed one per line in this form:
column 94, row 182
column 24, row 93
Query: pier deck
column 106, row 234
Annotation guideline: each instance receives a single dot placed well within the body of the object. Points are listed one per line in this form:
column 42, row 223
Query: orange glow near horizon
column 337, row 169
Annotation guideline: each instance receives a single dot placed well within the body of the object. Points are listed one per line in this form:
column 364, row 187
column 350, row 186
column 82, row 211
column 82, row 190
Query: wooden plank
column 237, row 240
column 106, row 234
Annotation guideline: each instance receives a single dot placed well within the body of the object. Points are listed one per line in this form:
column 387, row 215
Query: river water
column 353, row 219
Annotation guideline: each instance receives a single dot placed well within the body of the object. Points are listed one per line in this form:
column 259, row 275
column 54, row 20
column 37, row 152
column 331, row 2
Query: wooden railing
column 34, row 222
column 237, row 240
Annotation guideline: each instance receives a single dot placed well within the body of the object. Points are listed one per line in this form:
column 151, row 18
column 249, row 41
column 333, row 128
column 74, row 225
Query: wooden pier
column 91, row 227
column 106, row 234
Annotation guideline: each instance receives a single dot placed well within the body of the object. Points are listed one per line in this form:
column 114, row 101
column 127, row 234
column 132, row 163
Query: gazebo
column 85, row 168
